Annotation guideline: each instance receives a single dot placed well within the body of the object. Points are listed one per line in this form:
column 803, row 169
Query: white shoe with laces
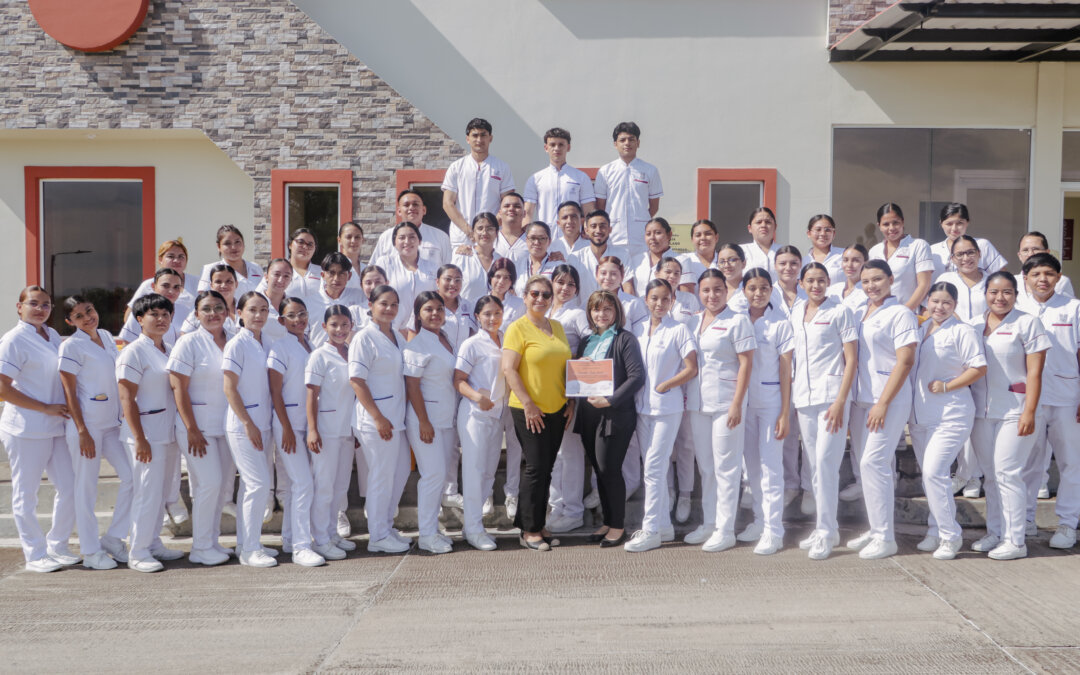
column 99, row 561
column 229, row 509
column 986, row 544
column 454, row 501
column 209, row 557
column 805, row 544
column 592, row 500
column 329, row 551
column 257, row 559
column 344, row 527
column 387, row 545
column 343, row 544
column 1007, row 550
column 114, row 547
column 1044, row 491
column 1064, row 537
column 488, row 508
column 667, row 534
column 166, row 554
column 929, row 544
column 851, row 493
column 860, row 542
column 434, row 544
column 682, row 509
column 307, row 558
column 177, row 512
column 768, row 545
column 958, row 484
column 481, row 541
column 878, row 549
column 1031, row 529
column 700, row 534
column 719, row 541
column 642, row 541
column 43, row 564
column 64, row 556
column 268, row 513
column 948, row 549
column 272, row 552
column 752, row 532
column 151, row 565
column 511, row 504
column 821, row 548
column 396, row 534
column 808, row 506
column 563, row 524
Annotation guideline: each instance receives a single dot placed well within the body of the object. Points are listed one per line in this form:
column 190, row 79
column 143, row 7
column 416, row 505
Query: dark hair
column 821, row 216
column 660, row 221
column 887, row 208
column 614, row 260
column 878, row 264
column 223, row 267
column 32, row 288
column 379, row 290
column 732, row 247
column 790, row 250
column 539, row 279
column 571, row 202
column 1035, row 233
column 209, row 293
column 564, row 269
column 485, row 215
column 626, row 128
column 1037, row 260
column 285, row 303
column 411, row 191
column 712, row 273
column 336, row 258
column 600, row 297
column 369, row 269
column 541, row 224
column 668, row 259
column 422, row 298
column 557, row 132
column 275, row 261
column 478, row 123
column 338, row 309
column 757, row 273
column 967, row 238
column 761, row 209
column 483, row 301
column 944, row 286
column 228, row 229
column 296, row 234
column 814, row 266
column 704, row 221
column 245, row 298
column 598, row 213
column 353, row 223
column 166, row 271
column 1002, row 274
column 397, row 228
column 659, row 283
column 151, row 301
column 502, row 264
column 861, row 249
column 447, row 267
column 953, row 209
column 512, row 194
column 71, row 303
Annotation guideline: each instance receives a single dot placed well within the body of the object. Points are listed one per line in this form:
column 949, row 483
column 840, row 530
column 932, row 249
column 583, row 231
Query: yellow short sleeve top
column 543, row 363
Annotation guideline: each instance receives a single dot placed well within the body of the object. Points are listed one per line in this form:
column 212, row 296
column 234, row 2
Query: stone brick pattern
column 847, row 15
column 261, row 79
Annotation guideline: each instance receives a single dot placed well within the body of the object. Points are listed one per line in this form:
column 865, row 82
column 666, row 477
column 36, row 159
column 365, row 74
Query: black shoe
column 610, row 543
column 595, row 538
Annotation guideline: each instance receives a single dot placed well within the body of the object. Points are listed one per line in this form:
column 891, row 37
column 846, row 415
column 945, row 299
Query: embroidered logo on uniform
column 100, row 397
column 496, row 176
column 821, row 323
column 1000, row 333
column 719, row 327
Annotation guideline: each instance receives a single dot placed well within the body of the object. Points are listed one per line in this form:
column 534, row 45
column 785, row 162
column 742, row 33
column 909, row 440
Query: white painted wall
column 198, row 188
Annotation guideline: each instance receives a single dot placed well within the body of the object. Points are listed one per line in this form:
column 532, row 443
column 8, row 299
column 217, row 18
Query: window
column 90, row 231
column 320, row 200
column 429, row 184
column 1070, row 157
column 727, row 196
column 922, row 170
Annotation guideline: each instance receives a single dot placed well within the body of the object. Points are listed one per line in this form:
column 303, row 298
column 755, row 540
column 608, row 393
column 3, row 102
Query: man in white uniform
column 597, row 229
column 510, row 242
column 434, row 243
column 557, row 183
column 630, row 191
column 475, row 182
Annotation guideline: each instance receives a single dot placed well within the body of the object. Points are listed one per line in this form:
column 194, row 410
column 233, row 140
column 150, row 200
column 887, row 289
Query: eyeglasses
column 546, row 295
column 303, row 243
column 34, row 304
column 212, row 309
column 537, row 239
column 726, row 262
column 970, row 253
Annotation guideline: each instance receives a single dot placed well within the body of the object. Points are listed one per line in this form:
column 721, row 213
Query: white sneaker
column 768, row 545
column 808, row 543
column 177, row 512
column 1031, row 529
column 988, row 543
column 511, row 506
column 307, row 558
column 64, row 556
column 434, row 544
column 807, row 505
column 481, row 541
column 329, row 552
column 667, row 534
column 151, row 565
column 700, row 534
column 746, row 500
column 958, row 484
column 642, row 541
column 972, row 489
column 229, row 509
column 387, row 545
column 682, row 509
column 821, row 548
column 851, row 493
column 719, row 541
column 564, row 524
column 859, row 542
column 43, row 564
column 948, row 549
column 344, row 527
column 454, row 501
column 257, row 559
column 268, row 513
column 488, row 508
column 209, row 557
column 272, row 552
column 166, row 554
column 805, row 544
column 752, row 532
column 1007, row 550
column 592, row 500
column 115, row 547
column 1064, row 537
column 789, row 496
column 99, row 561
column 878, row 549
column 1044, row 491
column 343, row 544
column 928, row 544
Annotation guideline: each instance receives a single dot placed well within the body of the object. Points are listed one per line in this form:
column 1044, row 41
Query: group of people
column 440, row 346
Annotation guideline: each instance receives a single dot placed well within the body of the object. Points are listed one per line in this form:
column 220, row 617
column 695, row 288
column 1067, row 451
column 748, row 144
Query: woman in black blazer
column 606, row 423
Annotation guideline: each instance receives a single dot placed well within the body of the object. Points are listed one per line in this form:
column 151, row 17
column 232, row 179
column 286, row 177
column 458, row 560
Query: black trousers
column 538, row 453
column 606, row 454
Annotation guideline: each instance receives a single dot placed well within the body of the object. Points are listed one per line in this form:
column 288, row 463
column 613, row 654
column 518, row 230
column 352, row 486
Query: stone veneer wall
column 260, row 78
column 847, row 15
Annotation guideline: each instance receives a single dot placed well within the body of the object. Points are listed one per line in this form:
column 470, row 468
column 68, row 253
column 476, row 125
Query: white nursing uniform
column 331, row 467
column 247, row 279
column 970, row 300
column 990, row 260
column 474, row 280
column 911, row 257
column 755, row 257
column 479, row 186
column 480, row 430
column 853, row 300
column 435, row 245
column 627, row 189
column 551, row 186
column 833, row 262
column 407, row 283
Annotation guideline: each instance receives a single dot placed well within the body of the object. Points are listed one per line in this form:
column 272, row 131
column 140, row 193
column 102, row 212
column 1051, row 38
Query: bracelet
column 946, row 386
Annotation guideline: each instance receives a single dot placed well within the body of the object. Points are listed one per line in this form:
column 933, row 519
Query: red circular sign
column 90, row 25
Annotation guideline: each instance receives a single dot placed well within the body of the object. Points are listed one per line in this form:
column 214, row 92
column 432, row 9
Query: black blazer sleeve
column 626, row 355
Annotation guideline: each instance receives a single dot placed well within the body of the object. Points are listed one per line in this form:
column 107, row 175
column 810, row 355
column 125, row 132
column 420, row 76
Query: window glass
column 730, row 204
column 1070, row 157
column 316, row 208
column 92, row 245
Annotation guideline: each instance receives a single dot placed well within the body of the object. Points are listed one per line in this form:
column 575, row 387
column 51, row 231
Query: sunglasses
column 546, row 295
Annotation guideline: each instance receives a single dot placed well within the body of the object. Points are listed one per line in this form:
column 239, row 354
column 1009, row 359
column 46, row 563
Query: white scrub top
column 663, row 353
column 303, row 284
column 755, row 257
column 1060, row 317
column 685, row 308
column 289, row 357
column 318, row 303
column 191, row 323
column 434, row 245
column 460, row 324
column 719, row 346
column 1062, row 287
column 246, row 279
column 628, row 189
column 474, row 282
column 327, row 370
column 246, row 356
column 379, row 362
column 31, row 362
column 970, row 300
column 183, row 321
column 693, row 268
column 407, row 284
column 889, row 328
column 426, row 358
column 574, row 322
column 948, row 352
column 910, row 257
column 479, row 187
column 634, row 311
column 95, row 381
column 739, row 303
column 513, row 251
column 197, row 356
column 547, row 267
column 990, row 260
column 645, row 271
column 187, row 296
column 480, row 358
column 833, row 263
column 854, row 300
column 144, row 365
column 819, row 351
column 774, row 337
column 1000, row 395
column 513, row 308
column 550, row 186
column 587, row 263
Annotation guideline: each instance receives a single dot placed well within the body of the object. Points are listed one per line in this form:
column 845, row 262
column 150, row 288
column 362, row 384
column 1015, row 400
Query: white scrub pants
column 659, row 432
column 172, row 478
column 825, row 452
column 876, row 452
column 330, row 468
column 719, row 453
column 296, row 521
column 480, row 451
column 431, row 463
column 967, row 464
column 1002, row 455
column 681, row 475
column 254, row 493
column 797, row 475
column 148, row 500
column 513, row 455
column 763, row 456
column 388, row 470
column 354, row 450
column 936, row 446
column 29, row 458
column 566, row 495
column 453, row 461
column 1059, row 432
column 106, row 445
column 205, row 480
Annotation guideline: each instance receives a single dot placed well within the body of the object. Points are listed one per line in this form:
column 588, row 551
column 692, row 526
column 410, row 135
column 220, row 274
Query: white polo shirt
column 480, row 358
column 435, row 245
column 889, row 328
column 378, row 361
column 328, row 371
column 910, row 258
column 31, row 362
column 1000, row 395
column 774, row 337
column 479, row 187
column 662, row 353
column 144, row 365
column 95, row 382
column 245, row 356
column 288, row 357
column 819, row 352
column 1060, row 317
column 719, row 345
column 197, row 356
column 944, row 355
column 246, row 279
column 302, row 284
column 990, row 260
column 627, row 189
column 549, row 187
column 474, row 283
column 426, row 358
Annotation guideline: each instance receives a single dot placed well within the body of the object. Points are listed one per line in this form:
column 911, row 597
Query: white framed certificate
column 585, row 377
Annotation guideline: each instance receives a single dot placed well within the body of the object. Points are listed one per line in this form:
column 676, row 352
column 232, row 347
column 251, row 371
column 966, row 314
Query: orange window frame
column 767, row 177
column 279, row 182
